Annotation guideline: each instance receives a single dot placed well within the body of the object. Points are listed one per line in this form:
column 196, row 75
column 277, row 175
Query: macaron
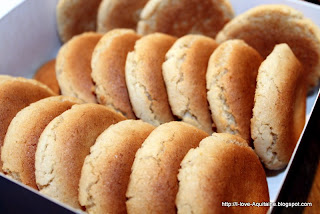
column 108, row 70
column 20, row 143
column 183, row 17
column 106, row 170
column 76, row 17
column 279, row 107
column 153, row 181
column 16, row 94
column 47, row 75
column 184, row 73
column 265, row 26
column 231, row 83
column 219, row 175
column 73, row 66
column 143, row 73
column 119, row 14
column 63, row 146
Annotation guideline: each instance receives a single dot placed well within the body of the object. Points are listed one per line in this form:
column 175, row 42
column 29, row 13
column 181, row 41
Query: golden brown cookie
column 153, row 182
column 16, row 94
column 47, row 75
column 265, row 26
column 106, row 170
column 63, row 146
column 147, row 91
column 20, row 143
column 181, row 17
column 73, row 66
column 108, row 70
column 222, row 169
column 184, row 74
column 76, row 17
column 279, row 107
column 231, row 84
column 119, row 14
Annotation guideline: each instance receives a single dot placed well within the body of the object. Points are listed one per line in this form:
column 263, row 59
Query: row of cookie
column 176, row 18
column 162, row 77
column 261, row 27
column 69, row 150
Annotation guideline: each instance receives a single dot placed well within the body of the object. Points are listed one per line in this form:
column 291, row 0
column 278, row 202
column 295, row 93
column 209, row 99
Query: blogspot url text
column 267, row 204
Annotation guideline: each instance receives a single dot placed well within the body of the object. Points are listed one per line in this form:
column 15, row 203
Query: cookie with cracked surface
column 20, row 143
column 265, row 26
column 47, row 75
column 279, row 107
column 76, row 17
column 223, row 168
column 231, row 84
column 63, row 146
column 184, row 74
column 16, row 94
column 106, row 170
column 108, row 70
column 153, row 182
column 143, row 73
column 119, row 14
column 73, row 69
column 181, row 17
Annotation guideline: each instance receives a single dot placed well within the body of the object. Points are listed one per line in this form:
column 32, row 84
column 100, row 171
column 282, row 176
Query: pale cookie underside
column 279, row 109
column 144, row 78
column 231, row 82
column 184, row 73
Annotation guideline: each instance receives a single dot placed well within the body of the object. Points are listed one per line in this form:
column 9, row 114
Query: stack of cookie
column 92, row 158
column 130, row 132
column 176, row 18
column 210, row 84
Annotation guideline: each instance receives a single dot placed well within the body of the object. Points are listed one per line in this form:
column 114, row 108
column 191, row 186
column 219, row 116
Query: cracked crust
column 106, row 170
column 265, row 26
column 231, row 83
column 20, row 143
column 184, row 73
column 223, row 168
column 147, row 91
column 119, row 14
column 47, row 75
column 73, row 66
column 16, row 94
column 76, row 17
column 279, row 107
column 181, row 17
column 63, row 146
column 108, row 70
column 153, row 182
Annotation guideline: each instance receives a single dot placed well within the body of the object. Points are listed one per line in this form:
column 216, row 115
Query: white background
column 8, row 5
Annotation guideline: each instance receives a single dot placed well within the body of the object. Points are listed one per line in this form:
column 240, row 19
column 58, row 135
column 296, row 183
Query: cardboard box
column 28, row 38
